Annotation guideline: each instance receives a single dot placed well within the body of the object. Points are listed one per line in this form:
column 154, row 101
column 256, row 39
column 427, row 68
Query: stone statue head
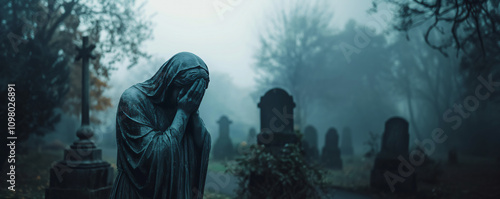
column 174, row 76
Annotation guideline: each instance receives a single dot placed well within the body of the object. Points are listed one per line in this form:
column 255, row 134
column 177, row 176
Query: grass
column 32, row 174
column 216, row 166
column 355, row 174
column 472, row 178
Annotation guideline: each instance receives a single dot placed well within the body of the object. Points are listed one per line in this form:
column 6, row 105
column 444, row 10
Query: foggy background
column 386, row 74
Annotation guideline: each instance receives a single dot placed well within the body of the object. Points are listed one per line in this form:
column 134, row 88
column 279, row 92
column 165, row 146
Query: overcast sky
column 225, row 40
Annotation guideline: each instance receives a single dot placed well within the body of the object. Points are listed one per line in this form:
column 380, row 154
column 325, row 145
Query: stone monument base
column 81, row 175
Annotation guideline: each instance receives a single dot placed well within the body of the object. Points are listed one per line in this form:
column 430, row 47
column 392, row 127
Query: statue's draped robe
column 153, row 161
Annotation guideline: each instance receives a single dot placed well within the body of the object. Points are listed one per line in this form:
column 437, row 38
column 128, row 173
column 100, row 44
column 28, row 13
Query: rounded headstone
column 395, row 140
column 330, row 155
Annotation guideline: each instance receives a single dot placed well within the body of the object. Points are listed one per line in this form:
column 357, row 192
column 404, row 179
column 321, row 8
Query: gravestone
column 252, row 137
column 82, row 174
column 393, row 158
column 330, row 155
column 223, row 148
column 310, row 144
column 276, row 130
column 276, row 120
column 346, row 146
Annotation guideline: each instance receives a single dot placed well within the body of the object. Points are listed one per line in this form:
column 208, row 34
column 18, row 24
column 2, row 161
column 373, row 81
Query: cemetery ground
column 473, row 177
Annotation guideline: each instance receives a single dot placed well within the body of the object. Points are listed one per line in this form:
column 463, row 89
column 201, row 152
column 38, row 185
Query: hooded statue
column 163, row 146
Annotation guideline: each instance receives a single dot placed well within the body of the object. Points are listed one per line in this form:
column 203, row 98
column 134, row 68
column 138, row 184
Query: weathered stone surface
column 276, row 120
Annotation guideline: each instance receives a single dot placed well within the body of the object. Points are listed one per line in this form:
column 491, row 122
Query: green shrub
column 284, row 175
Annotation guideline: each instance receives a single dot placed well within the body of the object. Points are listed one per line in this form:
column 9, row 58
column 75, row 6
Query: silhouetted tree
column 464, row 23
column 37, row 53
column 428, row 82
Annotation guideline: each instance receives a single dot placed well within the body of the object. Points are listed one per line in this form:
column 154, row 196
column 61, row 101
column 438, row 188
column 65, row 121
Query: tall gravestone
column 223, row 148
column 276, row 120
column 389, row 172
column 330, row 155
column 346, row 143
column 276, row 130
column 252, row 137
column 82, row 174
column 310, row 144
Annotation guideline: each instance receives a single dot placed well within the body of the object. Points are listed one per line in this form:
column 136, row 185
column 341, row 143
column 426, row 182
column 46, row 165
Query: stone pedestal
column 82, row 174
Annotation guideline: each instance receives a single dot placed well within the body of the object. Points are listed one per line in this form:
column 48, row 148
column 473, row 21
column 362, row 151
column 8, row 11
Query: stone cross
column 85, row 53
column 82, row 173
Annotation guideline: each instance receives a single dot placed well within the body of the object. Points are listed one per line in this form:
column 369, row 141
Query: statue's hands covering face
column 190, row 100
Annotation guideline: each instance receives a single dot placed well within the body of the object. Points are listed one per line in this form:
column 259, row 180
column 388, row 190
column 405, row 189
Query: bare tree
column 465, row 23
column 295, row 43
column 429, row 83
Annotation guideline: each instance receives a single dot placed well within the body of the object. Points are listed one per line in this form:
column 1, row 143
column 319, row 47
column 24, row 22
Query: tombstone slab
column 223, row 148
column 276, row 120
column 330, row 155
column 395, row 143
column 276, row 128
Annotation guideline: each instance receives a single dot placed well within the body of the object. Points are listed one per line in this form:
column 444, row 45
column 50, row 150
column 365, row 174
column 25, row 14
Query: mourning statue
column 163, row 146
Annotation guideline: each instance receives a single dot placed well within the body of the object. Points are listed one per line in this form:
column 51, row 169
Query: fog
column 228, row 46
column 369, row 74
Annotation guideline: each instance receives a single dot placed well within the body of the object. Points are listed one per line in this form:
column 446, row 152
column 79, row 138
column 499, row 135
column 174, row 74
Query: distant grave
column 276, row 131
column 330, row 155
column 223, row 148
